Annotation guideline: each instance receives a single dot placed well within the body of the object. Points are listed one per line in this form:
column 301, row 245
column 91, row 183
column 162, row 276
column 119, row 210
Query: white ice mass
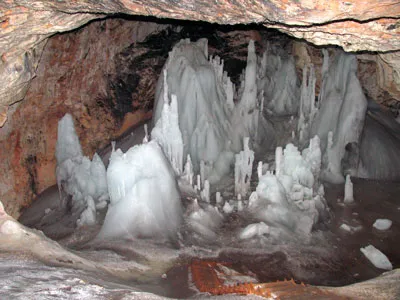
column 206, row 130
column 79, row 179
column 290, row 197
column 382, row 224
column 145, row 200
column 376, row 257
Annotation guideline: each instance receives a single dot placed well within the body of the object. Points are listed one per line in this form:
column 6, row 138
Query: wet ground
column 331, row 257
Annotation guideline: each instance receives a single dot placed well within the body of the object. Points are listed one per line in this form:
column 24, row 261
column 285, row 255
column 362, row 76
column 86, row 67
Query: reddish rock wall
column 71, row 75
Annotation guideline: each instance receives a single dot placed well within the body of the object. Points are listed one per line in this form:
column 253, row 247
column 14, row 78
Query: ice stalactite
column 145, row 200
column 342, row 111
column 243, row 168
column 248, row 111
column 167, row 132
column 78, row 178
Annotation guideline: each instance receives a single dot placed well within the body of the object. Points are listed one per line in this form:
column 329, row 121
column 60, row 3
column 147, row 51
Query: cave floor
column 331, row 257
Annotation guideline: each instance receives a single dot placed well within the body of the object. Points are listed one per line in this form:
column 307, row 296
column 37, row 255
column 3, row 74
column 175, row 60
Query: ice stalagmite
column 247, row 114
column 145, row 201
column 203, row 94
column 78, row 178
column 166, row 130
column 291, row 197
column 307, row 110
column 348, row 191
column 278, row 80
column 243, row 169
column 342, row 111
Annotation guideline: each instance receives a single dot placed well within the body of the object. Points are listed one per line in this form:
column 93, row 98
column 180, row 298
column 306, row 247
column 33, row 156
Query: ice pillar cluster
column 79, row 180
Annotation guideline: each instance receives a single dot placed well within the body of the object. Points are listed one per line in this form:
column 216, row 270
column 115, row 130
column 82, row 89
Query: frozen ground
column 330, row 257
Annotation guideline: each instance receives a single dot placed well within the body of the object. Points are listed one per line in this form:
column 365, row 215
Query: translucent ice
column 376, row 257
column 253, row 230
column 382, row 224
column 78, row 178
column 145, row 201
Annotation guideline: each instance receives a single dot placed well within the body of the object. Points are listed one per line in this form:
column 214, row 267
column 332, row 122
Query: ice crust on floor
column 145, row 200
column 382, row 224
column 78, row 177
column 376, row 257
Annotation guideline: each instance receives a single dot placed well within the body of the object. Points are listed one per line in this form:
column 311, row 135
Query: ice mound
column 205, row 222
column 78, row 178
column 376, row 257
column 145, row 200
column 291, row 197
column 382, row 224
column 254, row 230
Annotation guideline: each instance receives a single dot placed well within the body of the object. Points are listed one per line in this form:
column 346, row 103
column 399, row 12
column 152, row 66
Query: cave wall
column 73, row 76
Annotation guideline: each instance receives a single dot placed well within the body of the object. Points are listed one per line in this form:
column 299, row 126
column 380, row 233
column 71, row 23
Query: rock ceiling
column 355, row 25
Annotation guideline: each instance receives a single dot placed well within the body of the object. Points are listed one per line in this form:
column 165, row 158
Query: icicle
column 348, row 191
column 113, row 146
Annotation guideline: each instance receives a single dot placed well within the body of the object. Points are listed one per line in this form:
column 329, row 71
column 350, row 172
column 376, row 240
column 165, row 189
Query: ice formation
column 166, row 130
column 243, row 168
column 204, row 115
column 308, row 109
column 342, row 108
column 279, row 83
column 254, row 230
column 348, row 191
column 205, row 222
column 145, row 200
column 211, row 124
column 382, row 224
column 377, row 258
column 291, row 197
column 78, row 178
